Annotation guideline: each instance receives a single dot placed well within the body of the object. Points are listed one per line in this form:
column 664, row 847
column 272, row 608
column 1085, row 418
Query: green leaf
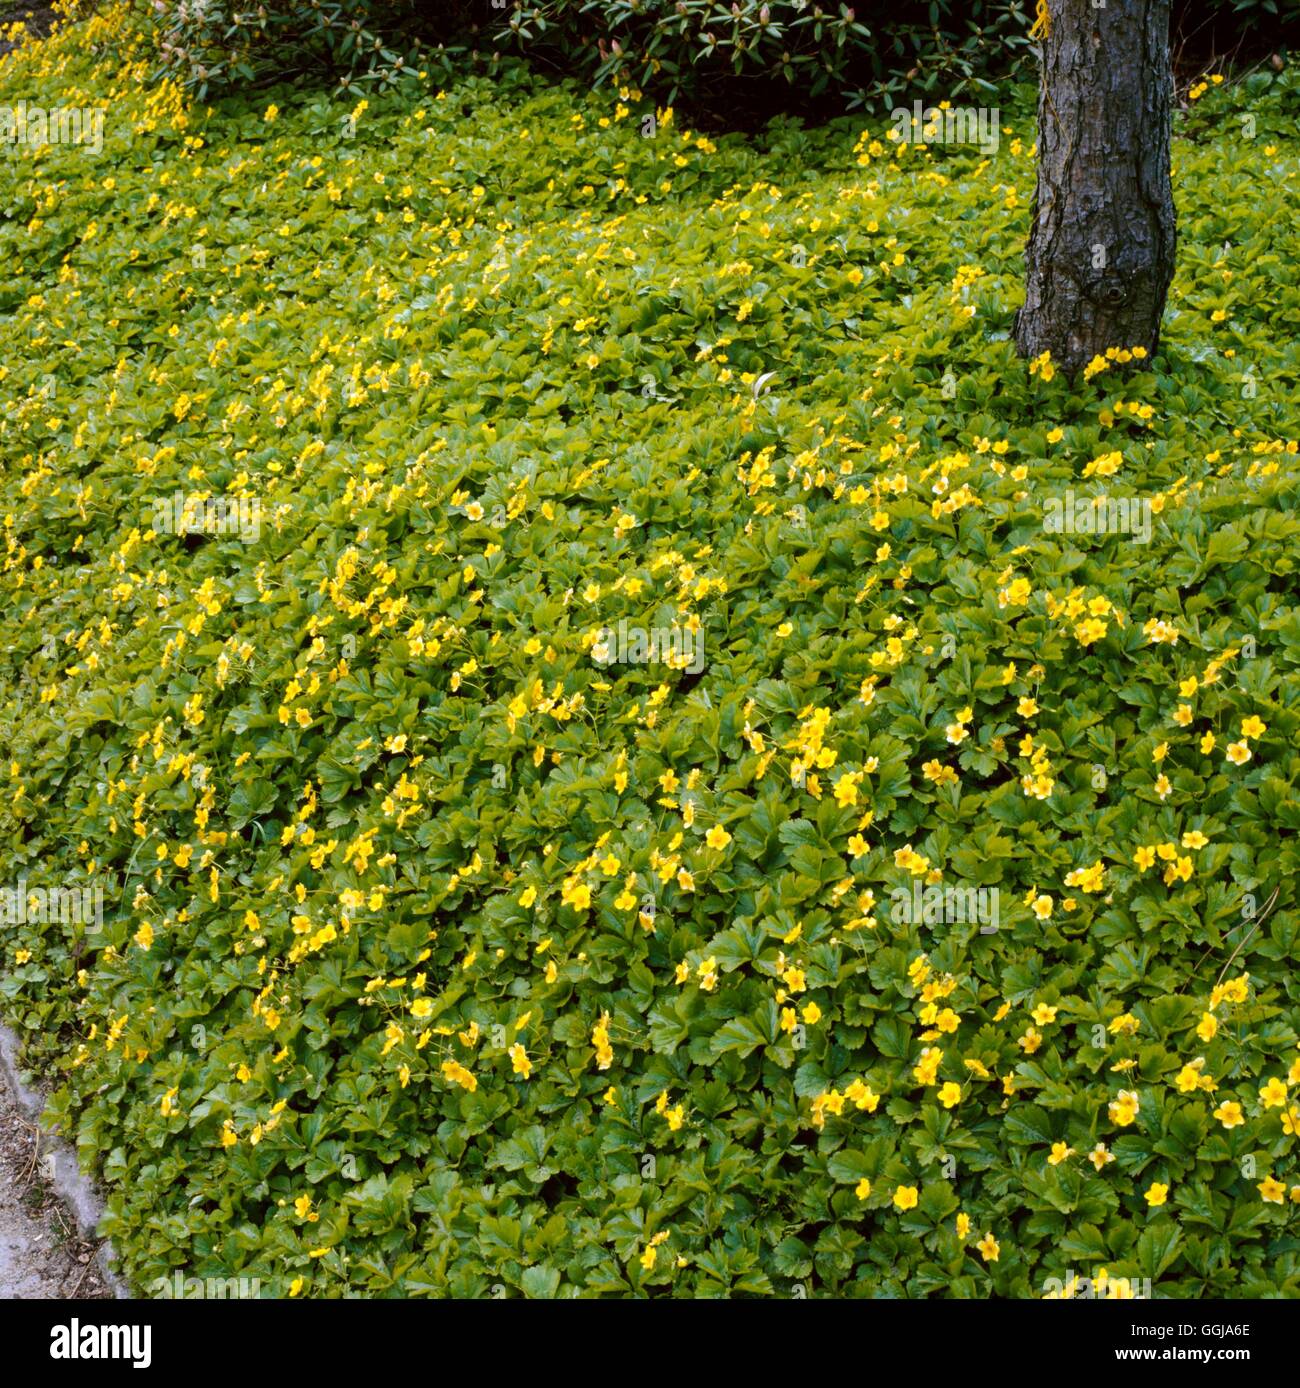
column 539, row 1282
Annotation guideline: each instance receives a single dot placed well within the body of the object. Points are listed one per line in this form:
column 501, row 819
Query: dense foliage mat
column 444, row 948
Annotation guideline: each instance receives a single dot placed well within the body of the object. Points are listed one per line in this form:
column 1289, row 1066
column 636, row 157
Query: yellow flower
column 905, row 1198
column 1273, row 1094
column 863, row 1096
column 950, row 1094
column 1189, row 1077
column 1124, row 1108
column 926, row 1068
column 717, row 837
column 458, row 1074
column 1157, row 1194
column 989, row 1249
column 1271, row 1190
column 863, row 1188
column 578, row 896
column 519, row 1062
column 1100, row 1157
column 846, row 790
column 1229, row 1114
column 1235, row 989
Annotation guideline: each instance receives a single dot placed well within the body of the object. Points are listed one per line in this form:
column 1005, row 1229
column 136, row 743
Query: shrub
column 701, row 47
column 771, row 53
column 672, row 47
column 848, row 53
column 229, row 44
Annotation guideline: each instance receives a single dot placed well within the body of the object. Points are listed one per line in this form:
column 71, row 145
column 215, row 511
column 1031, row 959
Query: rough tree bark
column 1101, row 247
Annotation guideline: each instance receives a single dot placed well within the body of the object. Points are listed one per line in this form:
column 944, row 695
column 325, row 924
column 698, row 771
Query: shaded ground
column 38, row 17
column 41, row 1254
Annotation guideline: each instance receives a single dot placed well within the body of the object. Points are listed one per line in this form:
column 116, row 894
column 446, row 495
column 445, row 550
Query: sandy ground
column 41, row 1254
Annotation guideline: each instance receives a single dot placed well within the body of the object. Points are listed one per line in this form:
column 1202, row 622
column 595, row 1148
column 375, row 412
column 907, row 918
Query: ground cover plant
column 353, row 461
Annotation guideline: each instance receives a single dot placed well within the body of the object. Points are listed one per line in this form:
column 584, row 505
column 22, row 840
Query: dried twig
column 1259, row 920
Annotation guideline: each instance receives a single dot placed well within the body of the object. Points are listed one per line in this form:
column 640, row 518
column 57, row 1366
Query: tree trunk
column 1101, row 247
